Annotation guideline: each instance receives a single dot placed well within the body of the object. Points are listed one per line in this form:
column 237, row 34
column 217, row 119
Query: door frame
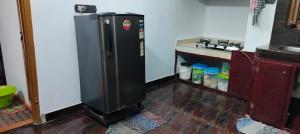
column 29, row 57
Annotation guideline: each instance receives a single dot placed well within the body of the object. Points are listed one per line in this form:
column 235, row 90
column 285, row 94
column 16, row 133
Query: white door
column 12, row 49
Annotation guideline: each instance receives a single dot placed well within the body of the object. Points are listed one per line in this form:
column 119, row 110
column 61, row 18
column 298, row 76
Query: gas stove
column 220, row 44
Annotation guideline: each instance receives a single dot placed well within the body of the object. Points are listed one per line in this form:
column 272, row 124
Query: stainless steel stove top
column 220, row 44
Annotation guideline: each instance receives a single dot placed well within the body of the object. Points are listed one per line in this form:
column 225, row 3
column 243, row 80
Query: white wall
column 232, row 19
column 56, row 54
column 165, row 21
column 260, row 34
column 189, row 17
column 226, row 19
column 11, row 47
column 55, row 41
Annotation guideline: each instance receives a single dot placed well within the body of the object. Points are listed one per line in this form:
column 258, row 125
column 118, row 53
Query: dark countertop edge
column 273, row 52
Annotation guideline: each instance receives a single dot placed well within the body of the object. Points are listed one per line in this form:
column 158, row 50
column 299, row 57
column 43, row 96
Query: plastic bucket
column 7, row 95
column 198, row 71
column 185, row 71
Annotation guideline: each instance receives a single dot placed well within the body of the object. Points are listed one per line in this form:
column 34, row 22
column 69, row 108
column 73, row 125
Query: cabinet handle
column 284, row 74
column 251, row 108
column 256, row 68
column 251, row 105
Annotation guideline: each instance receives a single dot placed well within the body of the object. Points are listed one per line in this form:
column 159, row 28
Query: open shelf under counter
column 190, row 49
column 201, row 87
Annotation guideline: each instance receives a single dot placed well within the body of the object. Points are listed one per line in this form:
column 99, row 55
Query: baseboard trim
column 78, row 107
column 162, row 80
column 62, row 112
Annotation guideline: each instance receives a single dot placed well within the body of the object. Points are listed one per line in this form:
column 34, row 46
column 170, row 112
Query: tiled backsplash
column 282, row 35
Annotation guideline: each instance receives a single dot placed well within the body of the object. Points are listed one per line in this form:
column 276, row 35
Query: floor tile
column 186, row 109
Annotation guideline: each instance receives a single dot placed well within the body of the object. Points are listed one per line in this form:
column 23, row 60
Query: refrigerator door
column 109, row 63
column 129, row 47
column 89, row 60
column 111, row 60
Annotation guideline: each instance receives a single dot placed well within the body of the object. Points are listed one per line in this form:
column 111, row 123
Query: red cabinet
column 241, row 76
column 272, row 91
column 266, row 84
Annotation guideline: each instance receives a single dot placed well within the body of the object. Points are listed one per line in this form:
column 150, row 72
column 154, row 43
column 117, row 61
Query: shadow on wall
column 21, row 95
column 203, row 1
column 229, row 3
column 156, row 72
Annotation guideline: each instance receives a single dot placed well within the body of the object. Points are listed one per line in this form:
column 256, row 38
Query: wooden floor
column 188, row 110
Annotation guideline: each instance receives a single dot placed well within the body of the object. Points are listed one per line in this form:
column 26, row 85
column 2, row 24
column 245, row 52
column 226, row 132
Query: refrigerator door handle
column 109, row 40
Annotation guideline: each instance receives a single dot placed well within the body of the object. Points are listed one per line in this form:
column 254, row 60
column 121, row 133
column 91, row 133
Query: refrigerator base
column 107, row 119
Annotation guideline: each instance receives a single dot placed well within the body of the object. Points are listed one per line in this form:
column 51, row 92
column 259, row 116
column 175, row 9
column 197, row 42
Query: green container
column 223, row 82
column 225, row 68
column 197, row 76
column 7, row 95
column 198, row 71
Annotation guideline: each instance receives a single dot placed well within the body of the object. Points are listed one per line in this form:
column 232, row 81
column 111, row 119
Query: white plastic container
column 185, row 71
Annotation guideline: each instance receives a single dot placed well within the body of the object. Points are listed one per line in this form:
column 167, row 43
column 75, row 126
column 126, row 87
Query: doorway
column 25, row 43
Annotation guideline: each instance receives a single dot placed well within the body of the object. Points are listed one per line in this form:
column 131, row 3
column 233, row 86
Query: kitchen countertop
column 190, row 46
column 273, row 52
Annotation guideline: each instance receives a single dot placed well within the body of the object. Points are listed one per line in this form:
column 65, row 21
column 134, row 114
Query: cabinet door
column 272, row 91
column 241, row 78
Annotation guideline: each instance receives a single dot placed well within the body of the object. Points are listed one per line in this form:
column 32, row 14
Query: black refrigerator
column 111, row 57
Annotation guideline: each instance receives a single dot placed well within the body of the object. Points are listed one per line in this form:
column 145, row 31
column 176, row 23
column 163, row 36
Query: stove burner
column 223, row 43
column 238, row 44
column 206, row 42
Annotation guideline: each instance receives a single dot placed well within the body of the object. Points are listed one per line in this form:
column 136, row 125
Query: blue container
column 212, row 70
column 199, row 66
